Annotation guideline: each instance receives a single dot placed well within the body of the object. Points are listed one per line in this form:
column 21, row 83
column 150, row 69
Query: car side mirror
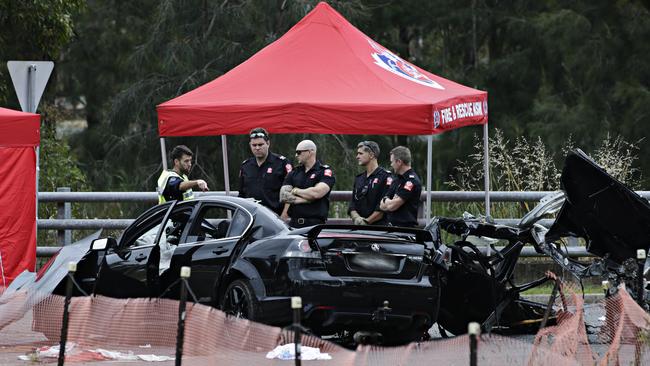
column 103, row 244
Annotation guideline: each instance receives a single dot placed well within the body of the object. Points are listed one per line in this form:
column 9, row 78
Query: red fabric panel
column 17, row 211
column 323, row 76
column 19, row 128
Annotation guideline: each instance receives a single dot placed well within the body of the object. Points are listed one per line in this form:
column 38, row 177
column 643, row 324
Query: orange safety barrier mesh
column 626, row 330
column 137, row 330
column 569, row 337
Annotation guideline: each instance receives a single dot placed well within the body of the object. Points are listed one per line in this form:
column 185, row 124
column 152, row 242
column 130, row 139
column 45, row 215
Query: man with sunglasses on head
column 369, row 187
column 261, row 176
column 307, row 188
column 403, row 197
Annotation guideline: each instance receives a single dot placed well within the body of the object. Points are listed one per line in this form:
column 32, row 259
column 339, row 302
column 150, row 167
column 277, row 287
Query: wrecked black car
column 479, row 286
column 246, row 261
column 613, row 221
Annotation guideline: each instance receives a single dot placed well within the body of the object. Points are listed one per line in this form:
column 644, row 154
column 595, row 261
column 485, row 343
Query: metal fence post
column 296, row 305
column 185, row 274
column 640, row 299
column 72, row 268
column 640, row 289
column 63, row 212
column 473, row 329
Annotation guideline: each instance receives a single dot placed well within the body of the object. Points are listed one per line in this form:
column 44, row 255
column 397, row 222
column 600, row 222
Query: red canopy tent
column 324, row 76
column 19, row 135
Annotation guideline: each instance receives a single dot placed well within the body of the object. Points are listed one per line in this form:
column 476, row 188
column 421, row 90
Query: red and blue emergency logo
column 395, row 64
column 436, row 119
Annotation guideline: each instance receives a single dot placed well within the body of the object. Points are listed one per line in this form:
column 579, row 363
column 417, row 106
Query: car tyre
column 240, row 301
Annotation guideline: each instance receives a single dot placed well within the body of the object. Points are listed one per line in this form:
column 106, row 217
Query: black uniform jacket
column 300, row 178
column 408, row 187
column 264, row 182
column 368, row 191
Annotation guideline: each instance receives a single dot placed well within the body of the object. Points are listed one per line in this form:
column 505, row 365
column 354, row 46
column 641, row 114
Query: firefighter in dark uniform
column 307, row 188
column 261, row 176
column 403, row 197
column 173, row 184
column 369, row 187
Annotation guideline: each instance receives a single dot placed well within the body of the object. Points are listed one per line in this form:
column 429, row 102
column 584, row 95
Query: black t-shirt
column 368, row 192
column 299, row 178
column 264, row 182
column 408, row 187
column 172, row 189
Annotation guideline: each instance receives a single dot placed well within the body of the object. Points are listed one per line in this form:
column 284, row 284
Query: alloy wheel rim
column 237, row 302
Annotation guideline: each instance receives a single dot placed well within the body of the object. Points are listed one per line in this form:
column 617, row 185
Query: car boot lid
column 613, row 219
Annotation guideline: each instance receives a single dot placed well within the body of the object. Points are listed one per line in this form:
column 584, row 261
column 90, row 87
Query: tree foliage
column 182, row 46
column 58, row 165
column 551, row 68
column 40, row 30
column 33, row 30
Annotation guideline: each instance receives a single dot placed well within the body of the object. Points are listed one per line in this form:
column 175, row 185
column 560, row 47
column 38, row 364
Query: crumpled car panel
column 613, row 218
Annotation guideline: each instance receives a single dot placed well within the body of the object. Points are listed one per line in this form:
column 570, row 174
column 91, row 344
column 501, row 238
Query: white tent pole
column 163, row 153
column 226, row 176
column 427, row 209
column 486, row 170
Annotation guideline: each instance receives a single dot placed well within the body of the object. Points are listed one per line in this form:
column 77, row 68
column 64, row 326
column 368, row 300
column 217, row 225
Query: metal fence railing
column 64, row 221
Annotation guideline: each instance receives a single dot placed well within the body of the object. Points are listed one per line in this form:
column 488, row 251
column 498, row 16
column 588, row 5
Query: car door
column 209, row 243
column 133, row 268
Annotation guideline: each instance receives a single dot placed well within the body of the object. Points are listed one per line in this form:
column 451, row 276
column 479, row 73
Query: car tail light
column 301, row 249
column 324, row 307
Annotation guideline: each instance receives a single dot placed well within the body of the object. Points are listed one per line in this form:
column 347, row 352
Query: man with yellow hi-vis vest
column 173, row 184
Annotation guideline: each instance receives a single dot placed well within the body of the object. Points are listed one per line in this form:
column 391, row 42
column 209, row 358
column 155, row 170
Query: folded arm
column 287, row 197
column 312, row 193
column 391, row 204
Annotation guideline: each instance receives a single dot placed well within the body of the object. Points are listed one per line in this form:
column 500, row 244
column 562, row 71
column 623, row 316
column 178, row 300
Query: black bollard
column 296, row 305
column 185, row 274
column 640, row 288
column 72, row 268
column 473, row 329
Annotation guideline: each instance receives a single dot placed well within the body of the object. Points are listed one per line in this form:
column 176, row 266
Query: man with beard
column 369, row 187
column 173, row 184
column 307, row 188
column 261, row 176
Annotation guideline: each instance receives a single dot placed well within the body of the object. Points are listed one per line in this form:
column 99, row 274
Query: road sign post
column 29, row 79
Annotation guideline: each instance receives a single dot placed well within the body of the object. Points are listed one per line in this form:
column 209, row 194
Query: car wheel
column 240, row 300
